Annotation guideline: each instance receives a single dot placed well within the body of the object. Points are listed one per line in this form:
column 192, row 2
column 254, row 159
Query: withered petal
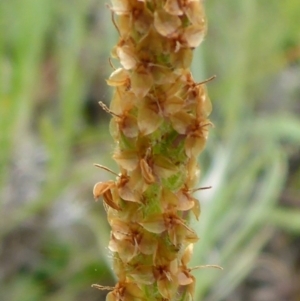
column 127, row 159
column 154, row 224
column 168, row 198
column 184, row 278
column 167, row 288
column 165, row 23
column 109, row 200
column 146, row 172
column 143, row 274
column 185, row 202
column 111, row 296
column 182, row 58
column 148, row 244
column 180, row 121
column 129, row 126
column 196, row 209
column 120, row 229
column 101, row 187
column 126, row 250
column 194, row 36
column 133, row 291
column 173, row 8
column 127, row 57
column 148, row 120
column 127, row 194
column 141, row 83
column 173, row 104
column 194, row 145
column 118, row 78
column 120, row 6
column 187, row 255
column 195, row 13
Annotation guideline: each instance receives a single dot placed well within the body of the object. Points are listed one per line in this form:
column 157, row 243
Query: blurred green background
column 53, row 65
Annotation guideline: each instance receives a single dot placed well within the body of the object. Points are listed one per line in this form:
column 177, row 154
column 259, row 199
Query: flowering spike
column 160, row 125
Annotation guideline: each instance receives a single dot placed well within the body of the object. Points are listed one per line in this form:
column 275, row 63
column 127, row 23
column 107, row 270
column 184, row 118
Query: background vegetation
column 53, row 65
